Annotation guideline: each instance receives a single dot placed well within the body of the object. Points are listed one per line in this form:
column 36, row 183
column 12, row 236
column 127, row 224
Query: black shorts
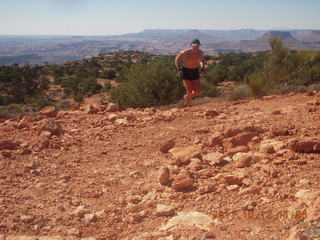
column 190, row 73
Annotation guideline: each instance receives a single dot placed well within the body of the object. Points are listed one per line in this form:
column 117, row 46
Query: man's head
column 195, row 42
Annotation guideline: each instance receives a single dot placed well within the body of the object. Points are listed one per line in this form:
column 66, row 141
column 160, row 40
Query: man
column 190, row 60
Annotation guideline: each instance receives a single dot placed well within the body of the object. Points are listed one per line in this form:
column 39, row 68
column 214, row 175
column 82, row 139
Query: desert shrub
column 216, row 73
column 288, row 88
column 80, row 87
column 107, row 86
column 5, row 100
column 108, row 74
column 208, row 89
column 38, row 101
column 146, row 84
column 239, row 92
column 4, row 113
column 259, row 84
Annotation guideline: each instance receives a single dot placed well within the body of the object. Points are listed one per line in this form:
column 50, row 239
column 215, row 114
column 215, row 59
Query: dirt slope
column 244, row 169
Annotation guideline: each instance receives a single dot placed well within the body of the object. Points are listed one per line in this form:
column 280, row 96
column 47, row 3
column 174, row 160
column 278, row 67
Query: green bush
column 107, row 86
column 258, row 84
column 150, row 83
column 208, row 89
column 108, row 74
column 239, row 92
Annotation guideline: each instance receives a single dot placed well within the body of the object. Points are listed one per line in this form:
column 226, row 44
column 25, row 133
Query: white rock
column 191, row 219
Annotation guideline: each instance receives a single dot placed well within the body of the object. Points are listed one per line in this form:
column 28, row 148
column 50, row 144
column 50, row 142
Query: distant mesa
column 286, row 36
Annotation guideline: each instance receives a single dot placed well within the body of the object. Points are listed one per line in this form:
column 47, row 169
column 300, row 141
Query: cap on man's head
column 195, row 42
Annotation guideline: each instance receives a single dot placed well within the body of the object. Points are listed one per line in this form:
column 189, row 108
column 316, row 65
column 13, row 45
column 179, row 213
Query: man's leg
column 196, row 86
column 189, row 88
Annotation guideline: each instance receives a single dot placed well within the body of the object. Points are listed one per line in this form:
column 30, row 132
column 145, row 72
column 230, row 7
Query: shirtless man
column 190, row 59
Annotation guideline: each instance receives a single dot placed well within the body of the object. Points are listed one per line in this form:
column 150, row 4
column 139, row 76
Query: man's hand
column 202, row 71
column 179, row 72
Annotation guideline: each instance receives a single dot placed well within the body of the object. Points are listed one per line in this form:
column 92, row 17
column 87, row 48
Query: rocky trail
column 232, row 170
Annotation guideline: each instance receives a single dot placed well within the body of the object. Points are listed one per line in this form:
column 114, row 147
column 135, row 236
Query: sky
column 113, row 17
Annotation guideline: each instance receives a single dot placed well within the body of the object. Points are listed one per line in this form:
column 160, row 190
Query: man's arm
column 179, row 59
column 202, row 61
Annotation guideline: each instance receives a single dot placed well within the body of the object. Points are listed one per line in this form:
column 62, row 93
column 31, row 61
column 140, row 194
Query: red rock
column 6, row 154
column 164, row 210
column 306, row 145
column 49, row 111
column 283, row 131
column 215, row 139
column 276, row 112
column 242, row 159
column 92, row 110
column 9, row 145
column 230, row 132
column 238, row 149
column 164, row 176
column 234, row 179
column 51, row 126
column 250, row 190
column 167, row 146
column 211, row 113
column 183, row 155
column 182, row 182
column 253, row 129
column 241, row 139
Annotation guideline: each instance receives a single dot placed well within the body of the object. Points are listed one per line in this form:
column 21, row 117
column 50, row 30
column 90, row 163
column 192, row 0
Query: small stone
column 26, row 151
column 164, row 176
column 80, row 211
column 250, row 190
column 214, row 158
column 45, row 134
column 164, row 210
column 182, row 182
column 242, row 159
column 26, row 218
column 49, row 111
column 241, row 139
column 112, row 107
column 92, row 110
column 276, row 112
column 215, row 140
column 232, row 187
column 183, row 155
column 167, row 146
column 234, row 179
column 89, row 218
column 211, row 113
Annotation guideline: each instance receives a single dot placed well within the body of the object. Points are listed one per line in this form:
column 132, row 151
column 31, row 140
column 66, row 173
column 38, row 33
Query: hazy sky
column 108, row 17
